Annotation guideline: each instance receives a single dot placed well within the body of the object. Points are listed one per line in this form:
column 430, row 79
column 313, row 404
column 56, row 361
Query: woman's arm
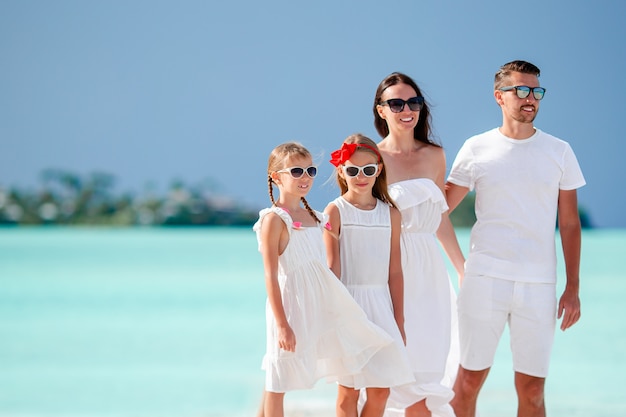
column 445, row 232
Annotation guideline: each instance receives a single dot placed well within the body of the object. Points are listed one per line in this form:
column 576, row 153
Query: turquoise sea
column 98, row 322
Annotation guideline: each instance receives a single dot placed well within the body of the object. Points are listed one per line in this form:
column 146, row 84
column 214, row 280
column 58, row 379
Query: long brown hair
column 276, row 162
column 380, row 186
column 422, row 131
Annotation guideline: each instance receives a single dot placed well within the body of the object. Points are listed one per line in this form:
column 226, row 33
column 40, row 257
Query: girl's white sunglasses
column 298, row 172
column 368, row 170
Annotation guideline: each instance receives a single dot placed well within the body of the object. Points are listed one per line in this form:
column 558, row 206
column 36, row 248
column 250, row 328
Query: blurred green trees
column 69, row 199
column 66, row 198
column 463, row 215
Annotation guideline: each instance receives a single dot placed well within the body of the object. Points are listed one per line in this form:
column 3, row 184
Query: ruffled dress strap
column 323, row 223
column 323, row 217
column 277, row 210
column 281, row 213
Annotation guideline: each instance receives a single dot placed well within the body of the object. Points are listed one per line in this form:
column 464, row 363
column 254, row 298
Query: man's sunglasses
column 298, row 172
column 368, row 170
column 396, row 105
column 523, row 91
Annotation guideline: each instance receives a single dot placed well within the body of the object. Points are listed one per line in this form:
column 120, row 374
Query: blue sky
column 201, row 91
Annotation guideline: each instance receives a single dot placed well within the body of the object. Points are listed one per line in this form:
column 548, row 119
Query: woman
column 416, row 169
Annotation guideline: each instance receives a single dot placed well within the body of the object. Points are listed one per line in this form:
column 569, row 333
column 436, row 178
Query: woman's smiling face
column 405, row 120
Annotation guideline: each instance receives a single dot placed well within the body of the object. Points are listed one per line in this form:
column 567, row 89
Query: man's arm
column 454, row 195
column 569, row 228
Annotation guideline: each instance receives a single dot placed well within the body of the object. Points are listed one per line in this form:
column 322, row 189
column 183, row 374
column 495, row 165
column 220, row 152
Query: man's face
column 522, row 110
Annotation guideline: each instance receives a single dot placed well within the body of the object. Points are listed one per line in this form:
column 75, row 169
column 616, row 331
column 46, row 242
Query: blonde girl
column 314, row 327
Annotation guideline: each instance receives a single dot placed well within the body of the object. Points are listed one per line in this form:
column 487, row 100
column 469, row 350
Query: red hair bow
column 340, row 156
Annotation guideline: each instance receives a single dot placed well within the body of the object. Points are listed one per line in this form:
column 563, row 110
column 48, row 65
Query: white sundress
column 429, row 298
column 334, row 338
column 365, row 244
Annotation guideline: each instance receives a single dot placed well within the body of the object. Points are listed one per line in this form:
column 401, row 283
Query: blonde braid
column 271, row 189
column 309, row 209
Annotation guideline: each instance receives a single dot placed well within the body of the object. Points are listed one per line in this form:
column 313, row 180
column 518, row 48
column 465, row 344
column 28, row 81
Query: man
column 523, row 178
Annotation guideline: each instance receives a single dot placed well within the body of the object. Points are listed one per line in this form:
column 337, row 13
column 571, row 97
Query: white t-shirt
column 517, row 185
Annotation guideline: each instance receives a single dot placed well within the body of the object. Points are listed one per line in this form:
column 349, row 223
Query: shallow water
column 170, row 322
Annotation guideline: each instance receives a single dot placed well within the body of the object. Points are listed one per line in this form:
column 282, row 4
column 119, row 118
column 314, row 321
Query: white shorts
column 486, row 304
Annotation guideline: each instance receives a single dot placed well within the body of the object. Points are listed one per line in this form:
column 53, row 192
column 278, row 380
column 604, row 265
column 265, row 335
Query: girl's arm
column 396, row 278
column 274, row 238
column 331, row 239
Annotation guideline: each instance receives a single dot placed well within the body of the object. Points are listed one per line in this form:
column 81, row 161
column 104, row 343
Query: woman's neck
column 401, row 144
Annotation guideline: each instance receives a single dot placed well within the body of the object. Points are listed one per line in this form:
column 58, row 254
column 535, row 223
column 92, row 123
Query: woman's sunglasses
column 298, row 172
column 396, row 105
column 523, row 91
column 368, row 170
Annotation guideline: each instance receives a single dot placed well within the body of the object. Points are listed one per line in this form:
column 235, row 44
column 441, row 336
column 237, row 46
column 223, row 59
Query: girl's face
column 358, row 163
column 407, row 119
column 285, row 180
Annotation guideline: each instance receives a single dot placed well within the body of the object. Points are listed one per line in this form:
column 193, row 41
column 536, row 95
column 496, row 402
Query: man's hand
column 569, row 308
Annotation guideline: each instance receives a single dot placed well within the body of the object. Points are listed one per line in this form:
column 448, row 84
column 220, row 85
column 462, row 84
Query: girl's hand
column 286, row 338
column 400, row 323
column 401, row 328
